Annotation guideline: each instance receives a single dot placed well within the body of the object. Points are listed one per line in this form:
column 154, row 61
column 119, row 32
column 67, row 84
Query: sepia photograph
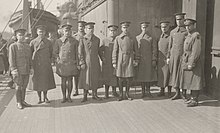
column 109, row 66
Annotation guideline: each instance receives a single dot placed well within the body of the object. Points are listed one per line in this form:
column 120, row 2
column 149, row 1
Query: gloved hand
column 135, row 63
column 83, row 66
column 168, row 61
column 115, row 66
column 31, row 71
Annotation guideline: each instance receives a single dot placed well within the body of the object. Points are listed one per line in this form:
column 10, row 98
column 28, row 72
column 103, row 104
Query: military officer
column 125, row 58
column 43, row 78
column 66, row 54
column 177, row 37
column 79, row 35
column 90, row 73
column 163, row 68
column 3, row 56
column 106, row 48
column 20, row 66
column 147, row 48
column 191, row 66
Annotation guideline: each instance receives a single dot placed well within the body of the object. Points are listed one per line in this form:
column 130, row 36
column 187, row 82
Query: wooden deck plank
column 154, row 115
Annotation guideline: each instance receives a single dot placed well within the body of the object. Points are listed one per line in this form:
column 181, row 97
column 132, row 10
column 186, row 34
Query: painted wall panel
column 99, row 16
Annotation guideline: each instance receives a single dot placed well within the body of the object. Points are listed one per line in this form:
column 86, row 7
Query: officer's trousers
column 21, row 82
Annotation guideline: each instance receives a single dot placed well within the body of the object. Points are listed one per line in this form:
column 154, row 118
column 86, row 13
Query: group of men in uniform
column 173, row 61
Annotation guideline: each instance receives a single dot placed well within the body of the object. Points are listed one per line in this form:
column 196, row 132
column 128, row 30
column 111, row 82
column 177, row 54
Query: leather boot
column 120, row 98
column 177, row 95
column 95, row 96
column 193, row 102
column 84, row 96
column 114, row 93
column 148, row 92
column 106, row 92
column 161, row 93
column 127, row 94
column 169, row 91
column 183, row 94
column 143, row 90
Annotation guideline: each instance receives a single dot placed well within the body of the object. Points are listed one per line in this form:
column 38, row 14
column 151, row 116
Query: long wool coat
column 163, row 67
column 177, row 37
column 43, row 78
column 147, row 49
column 66, row 54
column 191, row 79
column 89, row 55
column 125, row 52
column 3, row 55
column 106, row 48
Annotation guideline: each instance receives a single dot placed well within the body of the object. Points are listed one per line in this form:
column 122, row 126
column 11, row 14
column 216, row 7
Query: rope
column 41, row 14
column 11, row 16
column 20, row 25
column 39, row 11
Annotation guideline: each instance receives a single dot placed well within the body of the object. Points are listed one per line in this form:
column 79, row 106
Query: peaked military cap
column 125, row 23
column 23, row 31
column 113, row 26
column 164, row 23
column 189, row 21
column 81, row 22
column 41, row 27
column 66, row 26
column 90, row 24
column 145, row 23
column 179, row 15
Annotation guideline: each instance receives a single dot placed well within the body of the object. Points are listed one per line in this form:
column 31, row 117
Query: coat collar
column 123, row 35
column 81, row 33
column 164, row 35
column 180, row 29
column 89, row 37
column 111, row 38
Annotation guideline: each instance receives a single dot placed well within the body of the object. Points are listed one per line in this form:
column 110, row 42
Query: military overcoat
column 163, row 67
column 176, row 42
column 191, row 79
column 147, row 49
column 89, row 56
column 106, row 48
column 43, row 77
column 66, row 54
column 125, row 52
column 3, row 55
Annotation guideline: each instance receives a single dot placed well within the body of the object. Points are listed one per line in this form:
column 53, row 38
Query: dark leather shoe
column 115, row 94
column 19, row 106
column 64, row 100
column 26, row 104
column 96, row 98
column 39, row 102
column 187, row 101
column 84, row 100
column 69, row 100
column 193, row 103
column 161, row 94
column 120, row 98
column 148, row 94
column 128, row 97
column 46, row 100
column 76, row 94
